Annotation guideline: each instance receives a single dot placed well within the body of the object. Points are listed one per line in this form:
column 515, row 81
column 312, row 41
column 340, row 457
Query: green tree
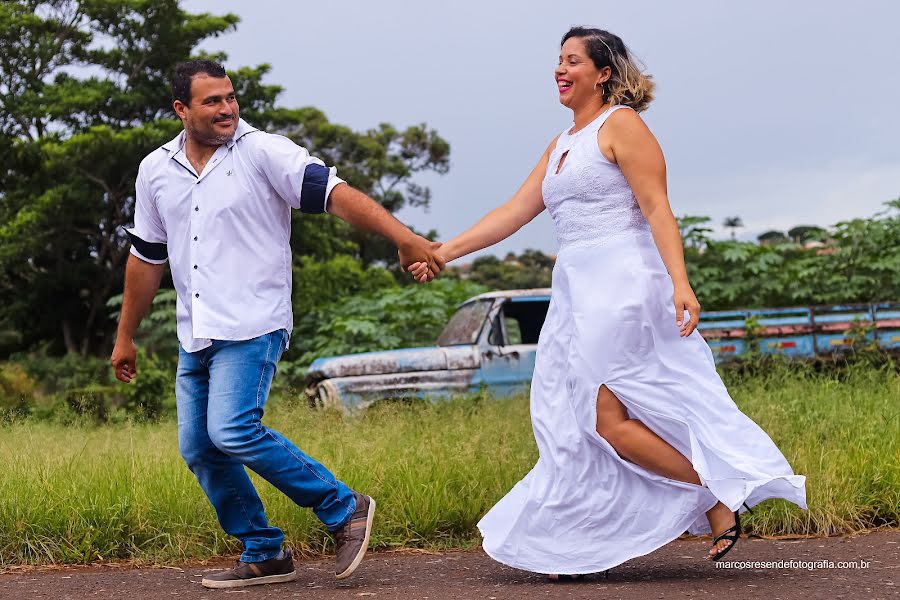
column 400, row 317
column 733, row 224
column 802, row 234
column 772, row 238
column 531, row 269
column 860, row 263
column 380, row 161
column 71, row 145
column 694, row 231
column 157, row 333
column 73, row 149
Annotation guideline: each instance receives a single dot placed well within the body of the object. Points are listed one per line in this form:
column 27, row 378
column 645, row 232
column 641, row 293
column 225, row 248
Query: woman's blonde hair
column 628, row 85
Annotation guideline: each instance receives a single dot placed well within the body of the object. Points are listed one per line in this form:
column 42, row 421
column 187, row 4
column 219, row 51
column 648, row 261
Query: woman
column 638, row 438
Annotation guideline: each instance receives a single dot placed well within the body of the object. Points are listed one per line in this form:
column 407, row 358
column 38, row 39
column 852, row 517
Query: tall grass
column 82, row 494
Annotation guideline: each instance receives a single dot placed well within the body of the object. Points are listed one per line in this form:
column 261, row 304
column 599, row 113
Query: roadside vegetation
column 82, row 493
column 91, row 469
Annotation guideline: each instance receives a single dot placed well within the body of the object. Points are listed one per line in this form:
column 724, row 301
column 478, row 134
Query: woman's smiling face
column 576, row 75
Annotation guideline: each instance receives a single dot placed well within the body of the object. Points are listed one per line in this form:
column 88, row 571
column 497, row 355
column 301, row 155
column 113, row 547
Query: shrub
column 76, row 387
column 17, row 392
column 403, row 317
column 151, row 394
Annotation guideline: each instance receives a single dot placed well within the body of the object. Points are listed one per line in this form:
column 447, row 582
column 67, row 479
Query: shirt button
column 195, row 266
column 196, row 295
column 195, row 238
column 196, row 208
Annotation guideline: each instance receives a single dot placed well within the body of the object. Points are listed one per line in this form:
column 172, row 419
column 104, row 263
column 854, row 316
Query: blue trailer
column 803, row 331
column 490, row 342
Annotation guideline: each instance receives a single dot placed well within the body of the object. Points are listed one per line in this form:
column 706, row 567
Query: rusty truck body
column 491, row 340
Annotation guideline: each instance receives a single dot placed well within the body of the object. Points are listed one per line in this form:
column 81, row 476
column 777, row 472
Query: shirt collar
column 174, row 145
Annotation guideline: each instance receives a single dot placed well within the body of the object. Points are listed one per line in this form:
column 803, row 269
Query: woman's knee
column 611, row 415
column 609, row 430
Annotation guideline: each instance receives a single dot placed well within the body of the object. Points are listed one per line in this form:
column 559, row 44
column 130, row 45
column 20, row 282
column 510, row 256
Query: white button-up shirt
column 226, row 231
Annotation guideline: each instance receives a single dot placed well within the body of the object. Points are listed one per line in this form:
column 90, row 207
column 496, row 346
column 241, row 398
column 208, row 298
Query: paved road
column 675, row 571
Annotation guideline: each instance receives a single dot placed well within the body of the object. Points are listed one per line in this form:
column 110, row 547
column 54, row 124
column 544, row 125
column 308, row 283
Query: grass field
column 83, row 494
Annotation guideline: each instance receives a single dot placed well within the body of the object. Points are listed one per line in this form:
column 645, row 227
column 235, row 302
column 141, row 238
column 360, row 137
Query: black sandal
column 553, row 578
column 732, row 534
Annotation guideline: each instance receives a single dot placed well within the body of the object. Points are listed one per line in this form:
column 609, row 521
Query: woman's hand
column 641, row 160
column 420, row 272
column 685, row 300
column 497, row 225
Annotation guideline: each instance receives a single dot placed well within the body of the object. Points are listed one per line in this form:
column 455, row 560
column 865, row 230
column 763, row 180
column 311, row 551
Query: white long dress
column 582, row 508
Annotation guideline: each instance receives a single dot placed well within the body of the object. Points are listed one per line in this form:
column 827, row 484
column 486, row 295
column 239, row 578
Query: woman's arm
column 505, row 220
column 638, row 154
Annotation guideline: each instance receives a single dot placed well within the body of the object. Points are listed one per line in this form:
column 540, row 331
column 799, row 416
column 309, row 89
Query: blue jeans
column 221, row 391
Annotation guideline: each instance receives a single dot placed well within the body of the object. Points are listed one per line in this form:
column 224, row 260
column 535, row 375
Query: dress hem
column 587, row 570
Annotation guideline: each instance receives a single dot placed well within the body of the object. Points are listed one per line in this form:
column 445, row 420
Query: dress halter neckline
column 591, row 122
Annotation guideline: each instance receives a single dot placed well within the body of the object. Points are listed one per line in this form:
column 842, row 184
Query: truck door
column 509, row 345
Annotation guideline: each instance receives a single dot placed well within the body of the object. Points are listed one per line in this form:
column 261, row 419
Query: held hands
column 420, row 270
column 685, row 300
column 124, row 358
column 421, row 255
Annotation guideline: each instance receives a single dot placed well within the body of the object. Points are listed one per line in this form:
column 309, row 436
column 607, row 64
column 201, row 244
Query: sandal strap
column 724, row 550
column 731, row 534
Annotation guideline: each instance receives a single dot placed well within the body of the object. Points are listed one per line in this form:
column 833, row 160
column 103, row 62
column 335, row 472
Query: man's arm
column 141, row 283
column 305, row 183
column 362, row 212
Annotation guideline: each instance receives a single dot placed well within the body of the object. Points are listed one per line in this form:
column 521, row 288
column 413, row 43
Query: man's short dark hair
column 184, row 73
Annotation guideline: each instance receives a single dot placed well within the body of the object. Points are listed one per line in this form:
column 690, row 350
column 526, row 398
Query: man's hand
column 420, row 271
column 417, row 249
column 124, row 359
column 141, row 282
column 363, row 213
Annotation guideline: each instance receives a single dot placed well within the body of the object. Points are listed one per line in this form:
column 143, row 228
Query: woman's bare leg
column 636, row 443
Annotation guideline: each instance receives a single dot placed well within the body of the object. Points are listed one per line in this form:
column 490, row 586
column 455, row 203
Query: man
column 215, row 202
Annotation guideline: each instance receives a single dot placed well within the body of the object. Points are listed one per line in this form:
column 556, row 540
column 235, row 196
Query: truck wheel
column 325, row 395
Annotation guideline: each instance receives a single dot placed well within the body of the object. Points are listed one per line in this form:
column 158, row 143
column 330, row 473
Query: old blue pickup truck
column 491, row 341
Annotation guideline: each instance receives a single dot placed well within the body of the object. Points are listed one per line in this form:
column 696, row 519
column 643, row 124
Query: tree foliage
column 733, row 224
column 859, row 262
column 399, row 317
column 531, row 269
column 84, row 96
column 852, row 261
column 380, row 161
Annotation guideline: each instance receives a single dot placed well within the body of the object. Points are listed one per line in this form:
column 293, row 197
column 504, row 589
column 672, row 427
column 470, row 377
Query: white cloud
column 778, row 112
column 785, row 198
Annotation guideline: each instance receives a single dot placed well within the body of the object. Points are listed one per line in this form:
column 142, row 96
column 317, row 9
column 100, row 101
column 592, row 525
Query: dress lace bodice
column 589, row 199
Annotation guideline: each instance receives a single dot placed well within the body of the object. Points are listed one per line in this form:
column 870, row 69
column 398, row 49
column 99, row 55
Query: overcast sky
column 782, row 113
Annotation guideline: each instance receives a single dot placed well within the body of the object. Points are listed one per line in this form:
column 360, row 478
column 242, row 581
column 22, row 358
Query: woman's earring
column 602, row 92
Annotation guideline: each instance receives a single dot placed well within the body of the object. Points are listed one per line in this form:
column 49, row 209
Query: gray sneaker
column 352, row 540
column 274, row 570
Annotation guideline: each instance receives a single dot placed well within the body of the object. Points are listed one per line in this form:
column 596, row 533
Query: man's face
column 211, row 118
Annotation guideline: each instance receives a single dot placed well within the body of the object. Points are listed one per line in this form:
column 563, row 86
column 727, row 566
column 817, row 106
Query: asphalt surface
column 674, row 571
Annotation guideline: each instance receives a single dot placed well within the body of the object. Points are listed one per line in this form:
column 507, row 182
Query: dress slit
column 643, row 414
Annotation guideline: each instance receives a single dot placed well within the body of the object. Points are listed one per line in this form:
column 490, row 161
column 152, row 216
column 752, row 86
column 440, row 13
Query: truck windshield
column 464, row 327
